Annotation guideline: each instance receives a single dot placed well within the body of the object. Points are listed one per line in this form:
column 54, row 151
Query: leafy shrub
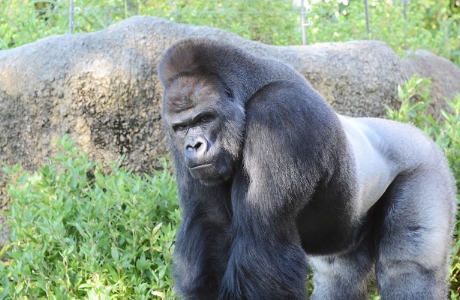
column 78, row 233
column 415, row 97
column 429, row 25
column 269, row 21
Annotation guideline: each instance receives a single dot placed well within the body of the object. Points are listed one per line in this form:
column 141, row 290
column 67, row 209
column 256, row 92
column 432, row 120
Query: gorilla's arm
column 202, row 242
column 281, row 170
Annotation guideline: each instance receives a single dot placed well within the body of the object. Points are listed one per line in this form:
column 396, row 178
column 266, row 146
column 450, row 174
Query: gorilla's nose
column 196, row 149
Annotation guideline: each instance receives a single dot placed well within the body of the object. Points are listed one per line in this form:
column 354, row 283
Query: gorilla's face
column 206, row 123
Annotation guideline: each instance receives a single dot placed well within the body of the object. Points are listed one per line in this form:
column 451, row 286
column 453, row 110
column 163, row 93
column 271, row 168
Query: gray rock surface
column 444, row 75
column 101, row 88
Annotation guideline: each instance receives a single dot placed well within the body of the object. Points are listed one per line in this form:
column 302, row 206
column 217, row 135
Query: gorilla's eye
column 204, row 119
column 179, row 128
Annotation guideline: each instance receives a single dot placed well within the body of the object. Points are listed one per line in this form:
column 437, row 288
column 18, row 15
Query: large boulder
column 444, row 75
column 102, row 88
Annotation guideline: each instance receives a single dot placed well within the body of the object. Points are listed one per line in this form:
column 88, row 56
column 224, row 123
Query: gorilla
column 272, row 181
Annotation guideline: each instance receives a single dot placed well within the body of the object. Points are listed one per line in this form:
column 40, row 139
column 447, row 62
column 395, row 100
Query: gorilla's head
column 207, row 85
column 206, row 124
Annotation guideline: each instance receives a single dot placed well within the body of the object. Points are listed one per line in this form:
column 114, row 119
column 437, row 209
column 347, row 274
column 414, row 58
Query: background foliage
column 429, row 24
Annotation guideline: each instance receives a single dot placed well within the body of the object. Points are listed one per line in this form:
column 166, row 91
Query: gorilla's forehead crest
column 205, row 58
column 184, row 58
column 239, row 73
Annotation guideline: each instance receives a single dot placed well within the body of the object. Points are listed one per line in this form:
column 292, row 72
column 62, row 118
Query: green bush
column 78, row 233
column 415, row 97
column 430, row 24
column 268, row 21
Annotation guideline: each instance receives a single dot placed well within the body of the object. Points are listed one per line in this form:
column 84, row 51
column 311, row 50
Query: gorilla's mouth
column 203, row 171
column 199, row 167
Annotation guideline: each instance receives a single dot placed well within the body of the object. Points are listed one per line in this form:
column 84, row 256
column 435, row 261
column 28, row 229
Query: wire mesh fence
column 278, row 22
column 303, row 8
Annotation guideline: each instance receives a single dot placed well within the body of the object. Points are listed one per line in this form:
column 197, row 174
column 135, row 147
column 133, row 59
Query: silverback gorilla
column 271, row 179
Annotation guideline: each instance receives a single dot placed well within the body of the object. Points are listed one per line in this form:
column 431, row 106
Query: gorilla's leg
column 342, row 276
column 413, row 251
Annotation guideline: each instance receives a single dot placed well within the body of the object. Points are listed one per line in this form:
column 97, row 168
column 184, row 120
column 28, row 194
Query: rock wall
column 102, row 88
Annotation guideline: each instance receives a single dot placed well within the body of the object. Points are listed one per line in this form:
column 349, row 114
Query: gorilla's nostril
column 196, row 148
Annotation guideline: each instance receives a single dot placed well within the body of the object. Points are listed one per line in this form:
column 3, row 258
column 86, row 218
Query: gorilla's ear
column 228, row 92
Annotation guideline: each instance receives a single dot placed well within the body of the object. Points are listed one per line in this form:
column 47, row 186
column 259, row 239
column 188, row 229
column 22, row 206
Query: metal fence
column 304, row 8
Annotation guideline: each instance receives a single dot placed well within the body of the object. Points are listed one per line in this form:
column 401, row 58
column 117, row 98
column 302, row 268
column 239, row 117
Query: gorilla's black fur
column 267, row 172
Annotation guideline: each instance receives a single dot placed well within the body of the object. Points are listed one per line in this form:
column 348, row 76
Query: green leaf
column 114, row 252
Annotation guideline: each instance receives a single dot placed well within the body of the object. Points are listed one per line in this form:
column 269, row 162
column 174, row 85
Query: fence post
column 304, row 23
column 71, row 8
column 368, row 26
column 302, row 20
column 405, row 9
